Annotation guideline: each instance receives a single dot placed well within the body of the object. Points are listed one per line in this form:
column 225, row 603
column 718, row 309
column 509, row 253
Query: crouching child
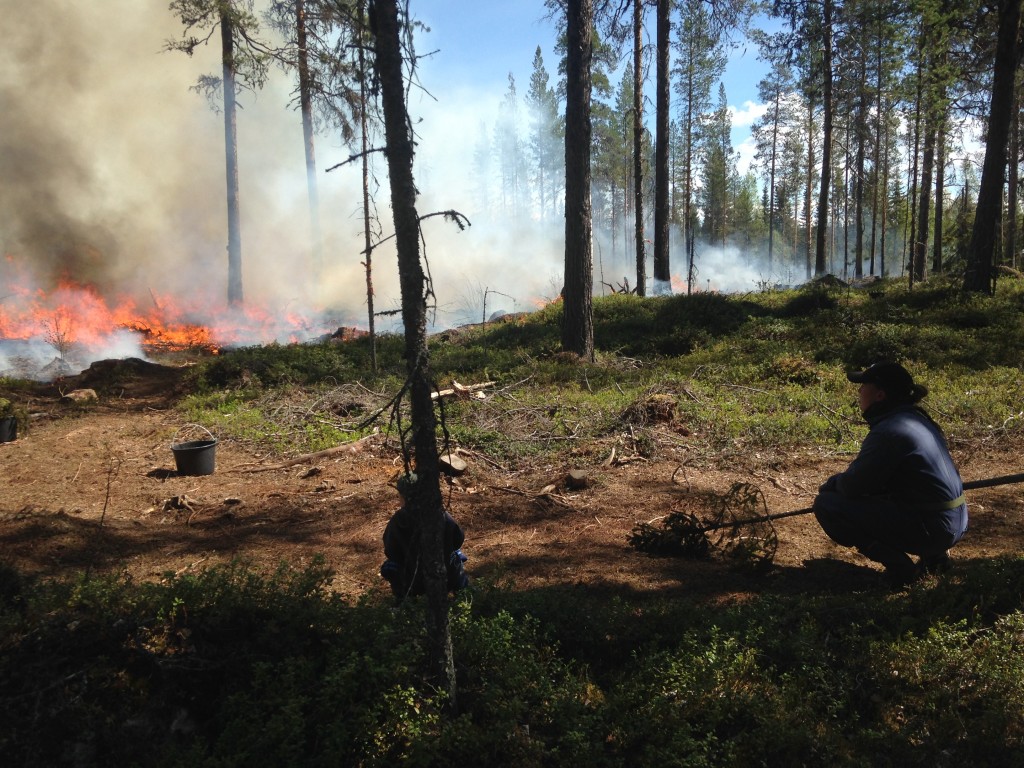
column 402, row 568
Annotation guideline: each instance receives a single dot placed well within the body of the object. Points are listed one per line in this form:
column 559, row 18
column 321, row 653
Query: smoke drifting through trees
column 113, row 177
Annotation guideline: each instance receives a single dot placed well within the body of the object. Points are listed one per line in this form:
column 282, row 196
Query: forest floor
column 94, row 489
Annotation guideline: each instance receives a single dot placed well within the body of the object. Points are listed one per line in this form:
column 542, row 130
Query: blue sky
column 479, row 43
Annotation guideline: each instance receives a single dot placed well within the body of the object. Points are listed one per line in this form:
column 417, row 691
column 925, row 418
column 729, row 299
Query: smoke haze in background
column 112, row 178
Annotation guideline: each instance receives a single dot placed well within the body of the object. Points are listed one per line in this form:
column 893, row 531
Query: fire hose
column 968, row 486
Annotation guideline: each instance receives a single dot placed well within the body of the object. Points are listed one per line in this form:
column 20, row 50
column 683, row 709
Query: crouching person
column 902, row 494
column 402, row 568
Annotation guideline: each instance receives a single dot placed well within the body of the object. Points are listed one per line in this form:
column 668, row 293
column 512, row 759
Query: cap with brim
column 893, row 378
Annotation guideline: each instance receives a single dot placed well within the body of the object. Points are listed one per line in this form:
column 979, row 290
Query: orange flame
column 78, row 315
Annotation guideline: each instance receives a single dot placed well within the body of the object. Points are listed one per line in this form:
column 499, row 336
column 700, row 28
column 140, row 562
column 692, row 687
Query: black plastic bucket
column 196, row 457
column 8, row 429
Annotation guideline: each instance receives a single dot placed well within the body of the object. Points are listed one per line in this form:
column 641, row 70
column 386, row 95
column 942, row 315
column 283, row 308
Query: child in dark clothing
column 402, row 549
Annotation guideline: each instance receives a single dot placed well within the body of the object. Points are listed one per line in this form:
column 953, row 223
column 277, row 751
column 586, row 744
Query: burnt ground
column 94, row 488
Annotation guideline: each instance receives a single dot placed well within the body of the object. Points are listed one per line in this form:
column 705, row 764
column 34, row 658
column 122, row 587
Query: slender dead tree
column 244, row 63
column 297, row 15
column 821, row 224
column 662, row 269
column 364, row 128
column 638, row 146
column 425, row 497
column 235, row 293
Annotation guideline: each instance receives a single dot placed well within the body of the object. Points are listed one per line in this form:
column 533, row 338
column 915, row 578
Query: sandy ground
column 96, row 489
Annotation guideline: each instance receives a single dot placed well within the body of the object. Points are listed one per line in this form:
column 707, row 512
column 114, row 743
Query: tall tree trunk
column 809, row 189
column 924, row 195
column 227, row 39
column 662, row 268
column 980, row 275
column 861, row 128
column 364, row 127
column 306, row 107
column 776, row 109
column 638, row 148
column 826, row 142
column 879, row 186
column 1012, row 181
column 577, row 304
column 915, row 155
column 691, row 224
column 940, row 194
column 884, row 149
column 425, row 498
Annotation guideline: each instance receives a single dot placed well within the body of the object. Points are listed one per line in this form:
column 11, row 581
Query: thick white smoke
column 113, row 177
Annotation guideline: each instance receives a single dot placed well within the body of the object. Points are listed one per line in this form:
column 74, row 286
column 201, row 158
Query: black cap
column 893, row 378
column 405, row 483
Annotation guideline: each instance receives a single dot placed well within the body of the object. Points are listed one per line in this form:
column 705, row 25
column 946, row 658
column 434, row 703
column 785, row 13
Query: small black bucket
column 8, row 429
column 195, row 457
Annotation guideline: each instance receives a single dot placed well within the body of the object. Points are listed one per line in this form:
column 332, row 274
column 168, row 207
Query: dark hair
column 893, row 379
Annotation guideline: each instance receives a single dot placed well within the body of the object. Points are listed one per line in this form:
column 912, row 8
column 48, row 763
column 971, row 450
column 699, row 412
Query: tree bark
column 662, row 269
column 306, row 108
column 638, row 150
column 826, row 142
column 1012, row 182
column 577, row 304
column 920, row 250
column 861, row 129
column 231, row 159
column 940, row 195
column 425, row 497
column 773, row 153
column 808, row 192
column 984, row 237
column 364, row 127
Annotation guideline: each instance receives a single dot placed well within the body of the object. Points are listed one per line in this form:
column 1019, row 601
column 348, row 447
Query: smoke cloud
column 112, row 179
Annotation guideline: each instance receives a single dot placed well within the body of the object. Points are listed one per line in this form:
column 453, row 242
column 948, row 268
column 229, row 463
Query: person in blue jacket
column 402, row 568
column 902, row 494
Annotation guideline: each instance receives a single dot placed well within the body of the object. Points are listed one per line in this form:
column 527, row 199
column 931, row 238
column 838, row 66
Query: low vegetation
column 234, row 667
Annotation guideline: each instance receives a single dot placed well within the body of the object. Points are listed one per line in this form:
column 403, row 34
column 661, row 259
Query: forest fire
column 78, row 316
column 45, row 334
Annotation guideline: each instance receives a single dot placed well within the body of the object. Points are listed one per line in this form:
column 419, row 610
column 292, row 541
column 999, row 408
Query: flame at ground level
column 76, row 321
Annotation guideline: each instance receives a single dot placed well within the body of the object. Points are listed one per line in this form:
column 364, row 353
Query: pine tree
column 511, row 155
column 577, row 310
column 545, row 138
column 244, row 64
column 719, row 173
column 700, row 63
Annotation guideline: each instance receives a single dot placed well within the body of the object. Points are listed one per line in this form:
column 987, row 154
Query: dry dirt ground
column 95, row 489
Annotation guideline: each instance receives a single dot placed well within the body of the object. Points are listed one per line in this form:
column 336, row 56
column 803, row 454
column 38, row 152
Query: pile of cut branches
column 735, row 530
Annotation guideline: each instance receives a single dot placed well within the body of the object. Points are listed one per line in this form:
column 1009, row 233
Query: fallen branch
column 554, row 498
column 350, row 447
column 462, row 390
column 480, row 456
column 623, row 460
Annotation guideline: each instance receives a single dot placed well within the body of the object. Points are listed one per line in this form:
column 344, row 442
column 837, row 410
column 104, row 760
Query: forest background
column 135, row 201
